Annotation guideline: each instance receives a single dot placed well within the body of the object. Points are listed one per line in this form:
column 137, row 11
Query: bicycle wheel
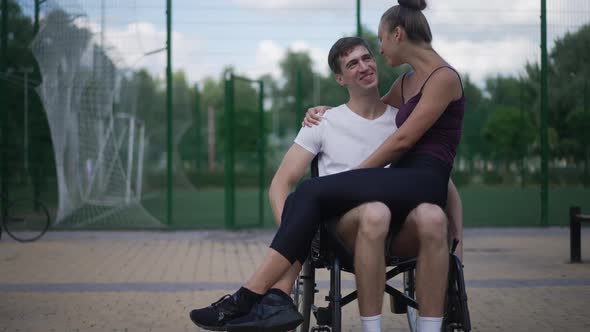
column 26, row 220
column 409, row 280
column 303, row 294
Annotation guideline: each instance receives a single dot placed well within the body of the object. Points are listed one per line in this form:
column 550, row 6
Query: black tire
column 26, row 220
column 303, row 294
column 409, row 284
column 456, row 317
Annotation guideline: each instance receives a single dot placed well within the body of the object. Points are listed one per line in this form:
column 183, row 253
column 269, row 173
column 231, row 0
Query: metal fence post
column 3, row 111
column 229, row 176
column 261, row 159
column 298, row 99
column 575, row 230
column 359, row 28
column 586, row 111
column 197, row 126
column 544, row 119
column 169, row 128
column 229, row 152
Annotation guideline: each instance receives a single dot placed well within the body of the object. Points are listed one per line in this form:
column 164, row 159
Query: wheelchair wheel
column 409, row 280
column 456, row 317
column 26, row 220
column 303, row 294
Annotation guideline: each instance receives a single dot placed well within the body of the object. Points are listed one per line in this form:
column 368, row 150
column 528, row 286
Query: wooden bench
column 576, row 220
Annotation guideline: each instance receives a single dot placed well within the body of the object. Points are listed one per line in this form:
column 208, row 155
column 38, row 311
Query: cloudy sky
column 480, row 38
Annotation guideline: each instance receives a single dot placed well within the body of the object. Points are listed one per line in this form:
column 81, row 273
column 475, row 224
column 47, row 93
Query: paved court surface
column 518, row 280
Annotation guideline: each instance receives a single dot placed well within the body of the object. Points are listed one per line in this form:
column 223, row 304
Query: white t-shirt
column 344, row 139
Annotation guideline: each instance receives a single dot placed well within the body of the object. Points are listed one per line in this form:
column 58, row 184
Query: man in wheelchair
column 346, row 136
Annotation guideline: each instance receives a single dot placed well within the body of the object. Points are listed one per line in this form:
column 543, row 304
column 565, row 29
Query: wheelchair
column 328, row 252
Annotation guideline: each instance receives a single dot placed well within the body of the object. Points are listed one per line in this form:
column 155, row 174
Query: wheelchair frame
column 327, row 252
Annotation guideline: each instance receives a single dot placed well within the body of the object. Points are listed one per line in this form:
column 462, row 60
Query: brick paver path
column 517, row 279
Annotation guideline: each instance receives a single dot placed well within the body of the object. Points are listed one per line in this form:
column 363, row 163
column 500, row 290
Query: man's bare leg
column 288, row 280
column 272, row 269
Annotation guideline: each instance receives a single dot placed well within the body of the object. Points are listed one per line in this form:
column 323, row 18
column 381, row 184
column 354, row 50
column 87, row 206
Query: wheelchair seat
column 331, row 244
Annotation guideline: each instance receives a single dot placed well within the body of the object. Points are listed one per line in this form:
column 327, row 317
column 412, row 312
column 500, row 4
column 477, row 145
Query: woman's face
column 389, row 44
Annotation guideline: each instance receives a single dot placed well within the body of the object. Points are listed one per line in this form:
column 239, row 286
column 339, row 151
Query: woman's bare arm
column 394, row 96
column 442, row 88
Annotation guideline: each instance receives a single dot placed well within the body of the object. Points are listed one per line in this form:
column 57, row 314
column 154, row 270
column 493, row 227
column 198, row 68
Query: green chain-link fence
column 88, row 127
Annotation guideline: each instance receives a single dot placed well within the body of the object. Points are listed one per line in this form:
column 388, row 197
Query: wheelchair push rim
column 303, row 295
column 409, row 284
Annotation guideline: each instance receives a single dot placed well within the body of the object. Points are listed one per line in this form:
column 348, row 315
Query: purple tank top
column 442, row 139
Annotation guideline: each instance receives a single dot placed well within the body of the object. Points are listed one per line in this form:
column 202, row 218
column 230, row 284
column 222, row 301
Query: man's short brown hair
column 342, row 47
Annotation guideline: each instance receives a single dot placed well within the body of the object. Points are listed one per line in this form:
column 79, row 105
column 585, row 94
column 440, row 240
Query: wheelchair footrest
column 323, row 316
column 398, row 304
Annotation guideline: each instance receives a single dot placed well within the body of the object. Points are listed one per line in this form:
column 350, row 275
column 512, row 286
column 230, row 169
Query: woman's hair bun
column 413, row 4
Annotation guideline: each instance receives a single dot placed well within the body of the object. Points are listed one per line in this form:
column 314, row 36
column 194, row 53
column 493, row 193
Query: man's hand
column 313, row 116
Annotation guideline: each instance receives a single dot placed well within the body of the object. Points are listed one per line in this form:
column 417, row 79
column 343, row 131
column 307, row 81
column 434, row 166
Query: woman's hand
column 314, row 116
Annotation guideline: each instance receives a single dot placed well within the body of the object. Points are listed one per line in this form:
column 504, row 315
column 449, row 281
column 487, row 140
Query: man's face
column 358, row 69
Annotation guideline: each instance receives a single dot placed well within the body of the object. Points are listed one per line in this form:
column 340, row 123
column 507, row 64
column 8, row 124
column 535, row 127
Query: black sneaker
column 275, row 313
column 216, row 316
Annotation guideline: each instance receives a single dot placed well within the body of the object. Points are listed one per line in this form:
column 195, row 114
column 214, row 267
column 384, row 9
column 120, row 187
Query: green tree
column 185, row 132
column 273, row 97
column 151, row 108
column 473, row 145
column 183, row 98
column 212, row 94
column 509, row 91
column 297, row 91
column 509, row 132
column 19, row 58
column 150, row 98
column 246, row 124
column 570, row 69
column 578, row 123
column 246, row 112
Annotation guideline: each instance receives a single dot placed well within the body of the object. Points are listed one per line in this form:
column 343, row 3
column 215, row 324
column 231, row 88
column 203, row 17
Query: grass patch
column 483, row 205
column 514, row 206
column 205, row 209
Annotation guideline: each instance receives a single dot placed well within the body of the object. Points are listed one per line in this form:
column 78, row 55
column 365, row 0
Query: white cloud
column 127, row 45
column 488, row 58
column 318, row 55
column 497, row 12
column 479, row 37
column 282, row 4
column 269, row 53
column 506, row 14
